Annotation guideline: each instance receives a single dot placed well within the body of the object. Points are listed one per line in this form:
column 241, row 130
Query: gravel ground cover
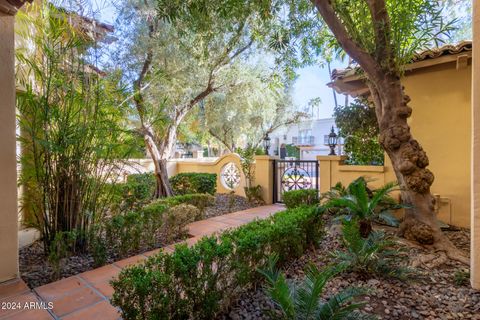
column 224, row 205
column 434, row 294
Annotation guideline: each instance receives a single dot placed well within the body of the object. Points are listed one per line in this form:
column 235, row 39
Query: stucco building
column 310, row 136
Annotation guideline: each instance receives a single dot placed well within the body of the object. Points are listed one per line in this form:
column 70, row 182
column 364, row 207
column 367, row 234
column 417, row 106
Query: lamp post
column 266, row 143
column 332, row 142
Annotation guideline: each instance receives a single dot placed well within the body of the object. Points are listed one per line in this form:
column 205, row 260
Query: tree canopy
column 358, row 127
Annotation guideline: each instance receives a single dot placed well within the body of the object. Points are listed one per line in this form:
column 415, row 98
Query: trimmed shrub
column 126, row 233
column 199, row 200
column 191, row 182
column 147, row 228
column 303, row 197
column 198, row 282
column 138, row 190
column 177, row 219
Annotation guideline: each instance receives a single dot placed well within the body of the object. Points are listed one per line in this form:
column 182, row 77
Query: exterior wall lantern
column 266, row 143
column 332, row 142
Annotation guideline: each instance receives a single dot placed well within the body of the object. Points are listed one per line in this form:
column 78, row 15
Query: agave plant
column 364, row 205
column 372, row 255
column 305, row 302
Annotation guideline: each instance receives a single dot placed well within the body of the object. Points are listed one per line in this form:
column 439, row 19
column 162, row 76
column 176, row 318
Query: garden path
column 87, row 295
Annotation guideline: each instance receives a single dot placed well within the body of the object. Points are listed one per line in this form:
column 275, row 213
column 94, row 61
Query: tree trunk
column 410, row 163
column 365, row 227
column 163, row 188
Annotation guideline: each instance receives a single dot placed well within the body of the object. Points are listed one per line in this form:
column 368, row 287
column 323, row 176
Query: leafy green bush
column 297, row 198
column 177, row 219
column 372, row 255
column 191, row 182
column 197, row 282
column 126, row 233
column 138, row 190
column 304, row 301
column 145, row 228
column 199, row 200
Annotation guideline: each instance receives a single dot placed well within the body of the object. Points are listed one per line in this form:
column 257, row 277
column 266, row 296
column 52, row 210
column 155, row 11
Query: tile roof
column 433, row 53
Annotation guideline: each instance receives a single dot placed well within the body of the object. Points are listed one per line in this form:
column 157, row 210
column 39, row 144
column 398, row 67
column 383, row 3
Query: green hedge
column 138, row 190
column 199, row 200
column 297, row 198
column 191, row 182
column 126, row 233
column 198, row 282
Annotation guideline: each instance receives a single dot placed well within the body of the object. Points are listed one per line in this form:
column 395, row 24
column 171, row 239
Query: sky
column 312, row 83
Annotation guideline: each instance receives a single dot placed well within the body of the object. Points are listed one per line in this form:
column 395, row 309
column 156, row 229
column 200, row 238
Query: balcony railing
column 303, row 141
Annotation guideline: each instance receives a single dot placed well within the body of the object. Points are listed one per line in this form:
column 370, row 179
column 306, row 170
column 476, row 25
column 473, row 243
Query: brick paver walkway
column 86, row 295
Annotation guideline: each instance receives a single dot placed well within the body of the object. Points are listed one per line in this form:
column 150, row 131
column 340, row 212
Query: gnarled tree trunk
column 410, row 163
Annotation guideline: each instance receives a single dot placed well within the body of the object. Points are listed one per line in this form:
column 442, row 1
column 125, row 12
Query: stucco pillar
column 325, row 170
column 8, row 165
column 475, row 189
column 264, row 176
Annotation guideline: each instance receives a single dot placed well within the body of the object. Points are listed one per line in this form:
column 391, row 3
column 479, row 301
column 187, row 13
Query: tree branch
column 381, row 28
column 366, row 61
column 222, row 140
column 147, row 65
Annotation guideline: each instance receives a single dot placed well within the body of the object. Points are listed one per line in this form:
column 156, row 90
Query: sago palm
column 375, row 254
column 304, row 301
column 365, row 207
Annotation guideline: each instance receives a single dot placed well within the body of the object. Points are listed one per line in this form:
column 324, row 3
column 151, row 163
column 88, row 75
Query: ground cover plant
column 199, row 282
column 433, row 292
column 305, row 300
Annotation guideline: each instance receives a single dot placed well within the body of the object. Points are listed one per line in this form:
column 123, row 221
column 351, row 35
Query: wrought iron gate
column 294, row 175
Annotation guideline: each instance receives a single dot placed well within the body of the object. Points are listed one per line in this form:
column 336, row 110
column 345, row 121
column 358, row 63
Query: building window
column 325, row 139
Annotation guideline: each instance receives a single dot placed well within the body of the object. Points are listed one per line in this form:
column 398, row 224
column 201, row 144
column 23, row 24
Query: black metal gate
column 294, row 175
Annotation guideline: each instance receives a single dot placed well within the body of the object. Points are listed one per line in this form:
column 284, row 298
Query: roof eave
column 353, row 84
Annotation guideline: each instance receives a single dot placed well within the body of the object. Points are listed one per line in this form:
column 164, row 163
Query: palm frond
column 381, row 194
column 388, row 218
column 339, row 306
column 278, row 288
column 308, row 295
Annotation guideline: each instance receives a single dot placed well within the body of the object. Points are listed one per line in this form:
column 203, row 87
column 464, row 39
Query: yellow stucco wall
column 332, row 171
column 263, row 172
column 441, row 103
column 216, row 166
